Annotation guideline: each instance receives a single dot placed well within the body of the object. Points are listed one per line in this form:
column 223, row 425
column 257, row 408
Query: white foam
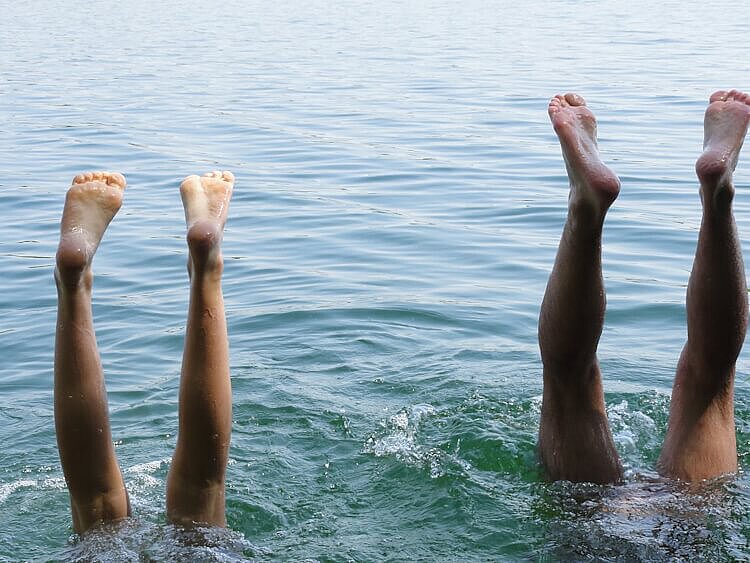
column 7, row 489
column 148, row 467
column 400, row 440
column 55, row 483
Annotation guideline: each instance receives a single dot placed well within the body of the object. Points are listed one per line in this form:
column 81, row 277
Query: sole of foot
column 725, row 126
column 206, row 201
column 591, row 180
column 93, row 199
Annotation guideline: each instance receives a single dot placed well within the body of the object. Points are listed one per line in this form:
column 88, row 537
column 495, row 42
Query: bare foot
column 591, row 181
column 725, row 126
column 206, row 202
column 90, row 204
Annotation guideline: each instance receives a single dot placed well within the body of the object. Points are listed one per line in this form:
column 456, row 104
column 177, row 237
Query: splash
column 399, row 438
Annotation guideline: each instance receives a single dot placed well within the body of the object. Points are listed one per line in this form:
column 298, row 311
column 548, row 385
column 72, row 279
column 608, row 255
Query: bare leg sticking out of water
column 700, row 441
column 97, row 490
column 195, row 485
column 575, row 442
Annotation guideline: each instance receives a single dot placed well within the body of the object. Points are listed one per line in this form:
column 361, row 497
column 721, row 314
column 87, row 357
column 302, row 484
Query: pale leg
column 195, row 485
column 97, row 490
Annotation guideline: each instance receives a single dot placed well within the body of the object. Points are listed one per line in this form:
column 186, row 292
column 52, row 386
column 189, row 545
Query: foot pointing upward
column 591, row 181
column 725, row 127
column 90, row 204
column 206, row 202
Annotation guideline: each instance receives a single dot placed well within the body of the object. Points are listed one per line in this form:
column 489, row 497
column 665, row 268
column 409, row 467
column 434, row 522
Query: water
column 399, row 201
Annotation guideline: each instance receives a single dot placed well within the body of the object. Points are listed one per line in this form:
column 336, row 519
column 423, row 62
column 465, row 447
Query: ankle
column 585, row 222
column 209, row 270
column 717, row 198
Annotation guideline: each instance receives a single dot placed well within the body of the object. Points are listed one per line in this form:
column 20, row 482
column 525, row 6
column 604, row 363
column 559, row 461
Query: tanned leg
column 195, row 485
column 575, row 442
column 97, row 490
column 700, row 441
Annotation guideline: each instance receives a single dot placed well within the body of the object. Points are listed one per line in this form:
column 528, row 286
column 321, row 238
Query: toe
column 116, row 179
column 190, row 181
column 574, row 99
column 555, row 104
column 79, row 179
column 97, row 175
column 719, row 96
column 228, row 176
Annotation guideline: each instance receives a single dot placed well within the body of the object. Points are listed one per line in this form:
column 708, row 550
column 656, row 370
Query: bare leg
column 195, row 486
column 575, row 442
column 700, row 441
column 97, row 491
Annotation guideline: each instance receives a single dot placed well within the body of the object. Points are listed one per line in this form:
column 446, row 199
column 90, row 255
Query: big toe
column 114, row 179
column 190, row 182
column 574, row 99
column 719, row 96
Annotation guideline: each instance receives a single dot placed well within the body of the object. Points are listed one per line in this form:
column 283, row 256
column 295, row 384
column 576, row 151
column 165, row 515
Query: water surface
column 400, row 197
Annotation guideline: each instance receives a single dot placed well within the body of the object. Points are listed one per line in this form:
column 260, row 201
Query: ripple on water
column 399, row 201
